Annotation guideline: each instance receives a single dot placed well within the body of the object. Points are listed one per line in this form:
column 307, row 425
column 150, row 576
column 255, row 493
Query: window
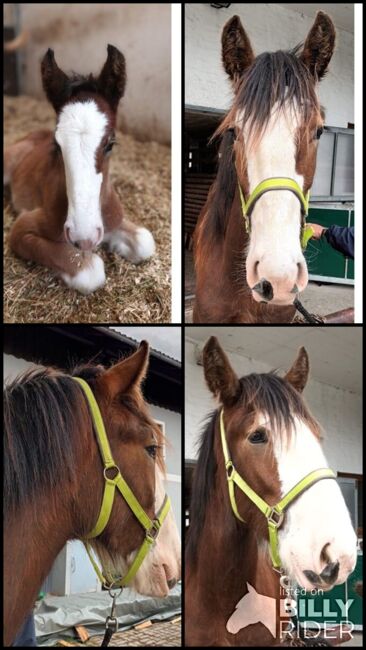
column 334, row 175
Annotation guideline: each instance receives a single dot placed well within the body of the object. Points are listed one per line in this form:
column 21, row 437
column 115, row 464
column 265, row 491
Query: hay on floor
column 136, row 294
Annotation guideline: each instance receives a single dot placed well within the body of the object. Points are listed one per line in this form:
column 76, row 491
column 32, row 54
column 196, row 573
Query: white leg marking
column 135, row 247
column 89, row 279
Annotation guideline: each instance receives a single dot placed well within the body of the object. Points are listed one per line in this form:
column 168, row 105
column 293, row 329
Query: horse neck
column 37, row 532
column 228, row 557
column 33, row 539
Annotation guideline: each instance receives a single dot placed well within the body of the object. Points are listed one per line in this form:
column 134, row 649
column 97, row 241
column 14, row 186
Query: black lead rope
column 310, row 318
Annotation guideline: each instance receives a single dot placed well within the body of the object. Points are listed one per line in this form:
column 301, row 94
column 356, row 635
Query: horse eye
column 258, row 437
column 109, row 147
column 151, row 450
column 319, row 131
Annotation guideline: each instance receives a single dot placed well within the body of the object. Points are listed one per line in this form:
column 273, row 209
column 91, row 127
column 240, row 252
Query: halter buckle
column 275, row 518
column 153, row 532
column 111, row 624
column 229, row 468
column 111, row 468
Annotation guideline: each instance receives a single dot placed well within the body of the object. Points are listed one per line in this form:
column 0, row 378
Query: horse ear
column 128, row 373
column 298, row 374
column 319, row 46
column 55, row 82
column 221, row 378
column 112, row 79
column 237, row 53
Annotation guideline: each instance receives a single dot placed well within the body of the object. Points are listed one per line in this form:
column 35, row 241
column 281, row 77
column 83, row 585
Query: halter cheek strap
column 277, row 183
column 274, row 514
column 151, row 527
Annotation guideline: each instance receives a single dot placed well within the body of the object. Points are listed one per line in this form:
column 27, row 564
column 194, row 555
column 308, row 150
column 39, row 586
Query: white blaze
column 276, row 217
column 317, row 518
column 80, row 129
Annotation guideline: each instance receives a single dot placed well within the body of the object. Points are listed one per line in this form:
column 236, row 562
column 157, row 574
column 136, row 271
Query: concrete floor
column 318, row 298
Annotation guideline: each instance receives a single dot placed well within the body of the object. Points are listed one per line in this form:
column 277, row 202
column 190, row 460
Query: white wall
column 79, row 34
column 14, row 367
column 173, row 459
column 338, row 411
column 270, row 27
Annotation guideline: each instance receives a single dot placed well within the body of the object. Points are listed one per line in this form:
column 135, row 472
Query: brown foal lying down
column 60, row 184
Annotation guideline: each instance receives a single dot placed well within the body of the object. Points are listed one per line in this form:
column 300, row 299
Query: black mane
column 43, row 440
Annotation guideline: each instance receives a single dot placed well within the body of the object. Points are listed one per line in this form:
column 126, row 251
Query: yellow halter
column 274, row 514
column 280, row 183
column 151, row 527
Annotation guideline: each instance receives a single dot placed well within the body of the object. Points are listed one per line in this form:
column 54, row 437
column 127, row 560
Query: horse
column 60, row 181
column 53, row 480
column 250, row 235
column 255, row 450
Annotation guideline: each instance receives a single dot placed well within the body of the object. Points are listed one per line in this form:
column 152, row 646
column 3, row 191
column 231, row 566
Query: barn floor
column 135, row 294
column 317, row 299
column 158, row 634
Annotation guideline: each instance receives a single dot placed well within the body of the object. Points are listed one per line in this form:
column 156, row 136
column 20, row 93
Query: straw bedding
column 136, row 294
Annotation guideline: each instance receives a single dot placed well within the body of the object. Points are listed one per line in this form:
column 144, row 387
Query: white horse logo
column 253, row 608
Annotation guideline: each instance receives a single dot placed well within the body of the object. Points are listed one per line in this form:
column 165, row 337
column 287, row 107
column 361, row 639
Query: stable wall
column 79, row 34
column 338, row 411
column 270, row 27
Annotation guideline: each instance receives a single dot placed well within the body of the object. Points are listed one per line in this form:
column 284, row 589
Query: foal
column 249, row 260
column 274, row 443
column 60, row 181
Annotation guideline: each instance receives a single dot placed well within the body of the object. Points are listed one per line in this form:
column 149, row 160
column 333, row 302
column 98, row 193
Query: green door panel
column 321, row 258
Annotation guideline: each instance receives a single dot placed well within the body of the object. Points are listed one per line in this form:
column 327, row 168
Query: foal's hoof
column 90, row 278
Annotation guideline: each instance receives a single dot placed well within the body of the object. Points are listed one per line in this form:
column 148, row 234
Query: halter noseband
column 151, row 527
column 274, row 514
column 280, row 183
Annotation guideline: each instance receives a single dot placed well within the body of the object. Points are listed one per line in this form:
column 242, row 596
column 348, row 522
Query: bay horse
column 250, row 234
column 256, row 449
column 53, row 480
column 60, row 181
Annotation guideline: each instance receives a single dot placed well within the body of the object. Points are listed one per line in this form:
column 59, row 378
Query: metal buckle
column 229, row 469
column 275, row 518
column 111, row 624
column 153, row 532
column 107, row 469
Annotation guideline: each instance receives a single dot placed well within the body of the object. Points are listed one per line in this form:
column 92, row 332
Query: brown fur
column 223, row 554
column 34, row 167
column 44, row 511
column 220, row 241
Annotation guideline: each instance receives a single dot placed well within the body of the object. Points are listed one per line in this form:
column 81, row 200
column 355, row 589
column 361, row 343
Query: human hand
column 317, row 230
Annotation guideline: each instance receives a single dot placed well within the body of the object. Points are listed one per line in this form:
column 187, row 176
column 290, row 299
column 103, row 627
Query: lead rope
column 310, row 318
column 111, row 623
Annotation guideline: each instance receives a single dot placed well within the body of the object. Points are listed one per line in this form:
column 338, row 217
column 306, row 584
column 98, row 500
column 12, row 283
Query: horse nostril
column 264, row 288
column 312, row 577
column 67, row 235
column 330, row 573
column 171, row 583
column 76, row 244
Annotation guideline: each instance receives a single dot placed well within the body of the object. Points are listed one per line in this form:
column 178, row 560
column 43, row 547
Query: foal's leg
column 85, row 273
column 122, row 236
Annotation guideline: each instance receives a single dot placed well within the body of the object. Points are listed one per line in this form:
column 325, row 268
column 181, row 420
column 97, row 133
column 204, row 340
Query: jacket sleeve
column 342, row 239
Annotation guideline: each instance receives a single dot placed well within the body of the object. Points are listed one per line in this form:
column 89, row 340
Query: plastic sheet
column 56, row 616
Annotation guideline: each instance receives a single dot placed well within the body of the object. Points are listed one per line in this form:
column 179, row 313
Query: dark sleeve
column 342, row 239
